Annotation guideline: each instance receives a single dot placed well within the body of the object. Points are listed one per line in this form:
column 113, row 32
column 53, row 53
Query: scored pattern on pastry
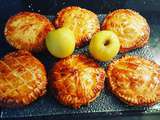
column 77, row 80
column 135, row 81
column 14, row 88
column 131, row 28
column 27, row 30
column 22, row 79
column 82, row 22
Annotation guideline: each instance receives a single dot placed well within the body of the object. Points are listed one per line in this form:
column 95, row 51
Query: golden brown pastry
column 131, row 28
column 77, row 80
column 22, row 79
column 82, row 22
column 135, row 80
column 27, row 30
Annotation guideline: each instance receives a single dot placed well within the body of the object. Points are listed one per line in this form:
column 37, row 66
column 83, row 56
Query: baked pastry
column 135, row 80
column 27, row 30
column 82, row 22
column 77, row 80
column 131, row 28
column 22, row 79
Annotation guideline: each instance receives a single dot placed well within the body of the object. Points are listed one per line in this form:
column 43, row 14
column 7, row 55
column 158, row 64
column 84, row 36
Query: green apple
column 61, row 42
column 104, row 45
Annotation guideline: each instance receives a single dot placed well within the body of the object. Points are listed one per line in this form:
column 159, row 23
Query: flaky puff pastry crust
column 77, row 80
column 22, row 79
column 27, row 31
column 82, row 22
column 131, row 28
column 135, row 80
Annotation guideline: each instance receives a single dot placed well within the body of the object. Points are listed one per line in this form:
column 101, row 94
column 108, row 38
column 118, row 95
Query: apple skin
column 104, row 45
column 61, row 42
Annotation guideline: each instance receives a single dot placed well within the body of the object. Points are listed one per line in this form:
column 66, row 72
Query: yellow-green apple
column 61, row 42
column 104, row 45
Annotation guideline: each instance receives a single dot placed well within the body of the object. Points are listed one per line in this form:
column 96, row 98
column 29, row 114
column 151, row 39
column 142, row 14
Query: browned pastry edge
column 40, row 39
column 10, row 103
column 86, row 101
column 142, row 41
column 58, row 22
column 126, row 100
column 38, row 91
column 77, row 106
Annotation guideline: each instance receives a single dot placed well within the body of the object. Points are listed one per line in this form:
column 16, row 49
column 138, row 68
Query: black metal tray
column 105, row 104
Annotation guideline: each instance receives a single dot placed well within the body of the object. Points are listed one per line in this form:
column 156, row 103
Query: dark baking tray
column 105, row 105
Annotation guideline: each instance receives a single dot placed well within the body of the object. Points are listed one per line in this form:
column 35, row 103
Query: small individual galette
column 77, row 80
column 22, row 79
column 135, row 80
column 131, row 28
column 84, row 23
column 27, row 31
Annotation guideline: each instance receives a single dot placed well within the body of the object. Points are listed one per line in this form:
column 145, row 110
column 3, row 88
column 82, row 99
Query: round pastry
column 131, row 28
column 82, row 22
column 22, row 79
column 27, row 31
column 77, row 80
column 135, row 80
